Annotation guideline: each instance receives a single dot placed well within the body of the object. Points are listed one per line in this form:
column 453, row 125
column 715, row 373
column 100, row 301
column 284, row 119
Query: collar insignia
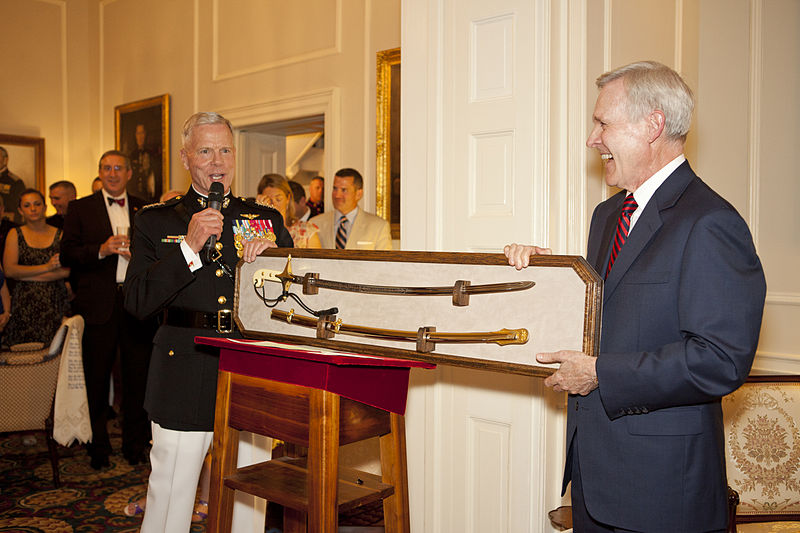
column 202, row 201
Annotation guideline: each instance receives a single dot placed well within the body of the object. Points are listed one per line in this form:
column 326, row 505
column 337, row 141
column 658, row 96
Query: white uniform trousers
column 176, row 460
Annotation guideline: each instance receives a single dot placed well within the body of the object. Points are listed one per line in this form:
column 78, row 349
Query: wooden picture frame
column 141, row 131
column 387, row 138
column 562, row 309
column 26, row 165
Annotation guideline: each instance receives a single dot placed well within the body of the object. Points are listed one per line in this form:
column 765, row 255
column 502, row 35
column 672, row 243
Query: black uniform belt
column 221, row 321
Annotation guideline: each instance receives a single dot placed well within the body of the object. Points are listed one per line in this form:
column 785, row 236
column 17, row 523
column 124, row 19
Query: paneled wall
column 50, row 64
column 73, row 61
column 497, row 101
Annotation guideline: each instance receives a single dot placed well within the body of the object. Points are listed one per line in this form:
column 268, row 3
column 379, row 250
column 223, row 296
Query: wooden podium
column 318, row 399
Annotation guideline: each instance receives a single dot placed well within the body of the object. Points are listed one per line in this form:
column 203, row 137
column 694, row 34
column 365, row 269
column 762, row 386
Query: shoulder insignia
column 252, row 203
column 170, row 202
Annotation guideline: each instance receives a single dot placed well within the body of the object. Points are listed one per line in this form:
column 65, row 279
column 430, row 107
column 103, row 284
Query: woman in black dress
column 31, row 257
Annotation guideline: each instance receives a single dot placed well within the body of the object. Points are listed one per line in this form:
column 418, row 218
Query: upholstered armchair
column 762, row 447
column 28, row 374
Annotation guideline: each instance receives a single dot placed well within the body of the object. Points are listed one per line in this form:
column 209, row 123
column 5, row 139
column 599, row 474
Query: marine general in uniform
column 168, row 277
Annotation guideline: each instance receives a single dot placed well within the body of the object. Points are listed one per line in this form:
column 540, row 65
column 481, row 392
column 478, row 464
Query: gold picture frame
column 387, row 138
column 149, row 153
column 25, row 170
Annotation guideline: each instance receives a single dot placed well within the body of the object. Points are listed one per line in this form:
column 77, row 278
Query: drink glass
column 125, row 231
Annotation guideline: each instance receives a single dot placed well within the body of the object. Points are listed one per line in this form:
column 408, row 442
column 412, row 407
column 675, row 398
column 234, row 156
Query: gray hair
column 64, row 184
column 650, row 85
column 200, row 119
column 116, row 153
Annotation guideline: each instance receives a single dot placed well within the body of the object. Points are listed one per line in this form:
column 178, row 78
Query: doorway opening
column 294, row 148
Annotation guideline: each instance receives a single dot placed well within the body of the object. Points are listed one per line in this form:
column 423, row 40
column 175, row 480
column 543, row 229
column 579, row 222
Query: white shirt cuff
column 193, row 260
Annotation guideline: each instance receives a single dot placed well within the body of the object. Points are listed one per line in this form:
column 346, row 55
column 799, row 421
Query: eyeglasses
column 109, row 168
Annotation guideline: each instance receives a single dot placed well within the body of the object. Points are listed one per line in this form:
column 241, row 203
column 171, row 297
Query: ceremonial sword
column 311, row 282
column 426, row 337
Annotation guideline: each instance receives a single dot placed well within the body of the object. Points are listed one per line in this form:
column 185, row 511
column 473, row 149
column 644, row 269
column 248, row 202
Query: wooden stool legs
column 224, row 453
column 323, row 462
column 311, row 489
column 394, row 472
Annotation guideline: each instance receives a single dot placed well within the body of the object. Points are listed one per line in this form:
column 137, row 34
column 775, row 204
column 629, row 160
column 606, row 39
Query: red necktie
column 120, row 201
column 623, row 227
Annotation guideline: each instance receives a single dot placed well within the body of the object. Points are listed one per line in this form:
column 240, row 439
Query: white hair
column 650, row 85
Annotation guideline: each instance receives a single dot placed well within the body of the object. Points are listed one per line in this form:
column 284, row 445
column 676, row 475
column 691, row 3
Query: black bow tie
column 120, row 201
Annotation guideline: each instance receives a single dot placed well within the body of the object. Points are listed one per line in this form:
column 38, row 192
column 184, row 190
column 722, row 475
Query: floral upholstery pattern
column 762, row 444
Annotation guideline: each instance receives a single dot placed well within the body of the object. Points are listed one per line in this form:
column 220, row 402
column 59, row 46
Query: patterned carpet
column 89, row 500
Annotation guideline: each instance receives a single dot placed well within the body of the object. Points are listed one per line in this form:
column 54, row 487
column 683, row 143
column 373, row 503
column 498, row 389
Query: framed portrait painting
column 142, row 133
column 21, row 167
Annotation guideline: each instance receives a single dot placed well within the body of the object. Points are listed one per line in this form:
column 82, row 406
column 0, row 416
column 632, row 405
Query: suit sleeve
column 75, row 251
column 151, row 283
column 721, row 291
column 384, row 241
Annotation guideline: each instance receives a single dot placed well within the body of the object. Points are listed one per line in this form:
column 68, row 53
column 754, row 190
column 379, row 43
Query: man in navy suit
column 96, row 248
column 682, row 305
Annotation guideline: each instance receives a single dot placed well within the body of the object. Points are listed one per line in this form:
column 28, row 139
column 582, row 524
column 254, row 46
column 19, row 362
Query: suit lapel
column 355, row 233
column 102, row 214
column 133, row 207
column 647, row 226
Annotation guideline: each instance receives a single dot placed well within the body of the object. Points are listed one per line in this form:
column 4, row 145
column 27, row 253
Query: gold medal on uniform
column 247, row 230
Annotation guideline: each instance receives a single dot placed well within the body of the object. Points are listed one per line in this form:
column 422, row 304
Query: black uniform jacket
column 182, row 381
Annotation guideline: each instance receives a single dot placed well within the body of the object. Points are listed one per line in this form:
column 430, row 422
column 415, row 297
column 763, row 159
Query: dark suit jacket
column 182, row 381
column 682, row 311
column 86, row 227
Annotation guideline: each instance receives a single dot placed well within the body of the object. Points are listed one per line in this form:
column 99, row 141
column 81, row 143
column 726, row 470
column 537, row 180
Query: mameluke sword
column 311, row 283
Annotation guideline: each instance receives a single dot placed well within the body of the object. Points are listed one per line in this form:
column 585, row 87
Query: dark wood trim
column 777, row 378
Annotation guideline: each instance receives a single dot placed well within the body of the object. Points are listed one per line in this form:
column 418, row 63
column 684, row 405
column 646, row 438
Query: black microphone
column 215, row 194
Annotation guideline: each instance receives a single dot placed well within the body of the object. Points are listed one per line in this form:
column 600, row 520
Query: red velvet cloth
column 377, row 381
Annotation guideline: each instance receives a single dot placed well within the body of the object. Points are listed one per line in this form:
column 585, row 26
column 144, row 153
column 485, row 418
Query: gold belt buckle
column 224, row 321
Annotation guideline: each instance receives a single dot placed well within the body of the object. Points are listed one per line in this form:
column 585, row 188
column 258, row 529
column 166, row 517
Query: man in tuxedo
column 96, row 247
column 347, row 226
column 194, row 295
column 682, row 304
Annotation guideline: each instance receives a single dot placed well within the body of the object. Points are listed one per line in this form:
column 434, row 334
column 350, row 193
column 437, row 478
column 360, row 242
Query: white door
column 485, row 449
column 258, row 154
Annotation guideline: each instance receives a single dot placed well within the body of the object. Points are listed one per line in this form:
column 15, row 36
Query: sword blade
column 460, row 291
column 391, row 290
